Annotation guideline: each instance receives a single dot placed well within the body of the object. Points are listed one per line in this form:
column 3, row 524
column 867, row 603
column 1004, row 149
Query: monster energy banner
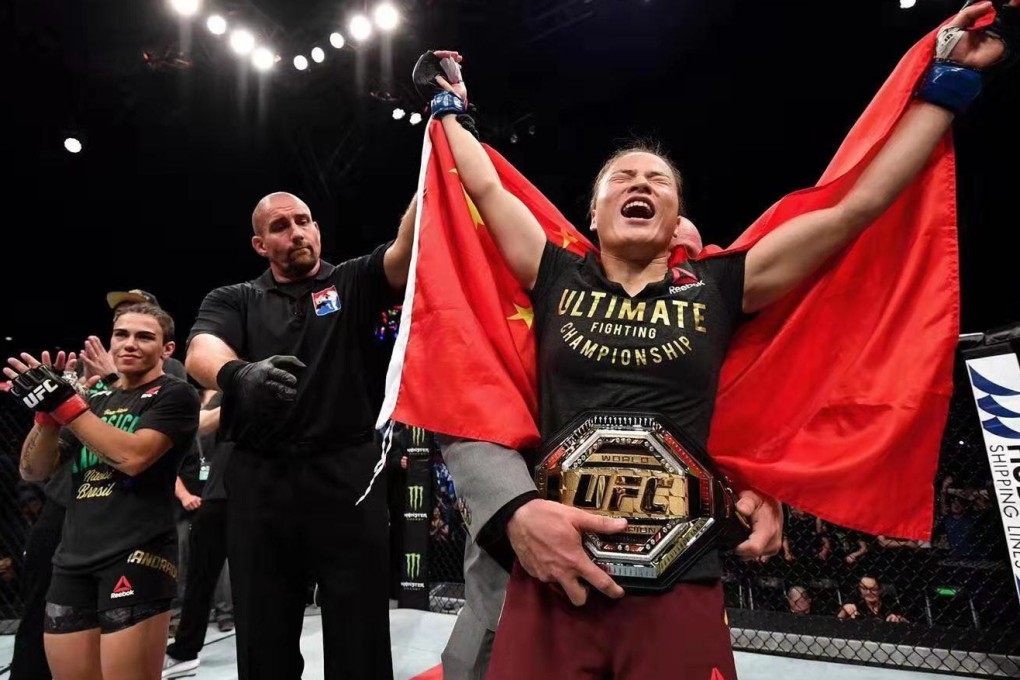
column 419, row 441
column 995, row 381
column 414, row 593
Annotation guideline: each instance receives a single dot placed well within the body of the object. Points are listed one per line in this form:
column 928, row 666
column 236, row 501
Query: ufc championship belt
column 645, row 469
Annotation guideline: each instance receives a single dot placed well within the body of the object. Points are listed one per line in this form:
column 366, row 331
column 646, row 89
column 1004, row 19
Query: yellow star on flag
column 475, row 216
column 525, row 314
column 568, row 238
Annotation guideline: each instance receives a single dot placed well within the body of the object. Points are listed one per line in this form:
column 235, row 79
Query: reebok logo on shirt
column 673, row 290
column 122, row 589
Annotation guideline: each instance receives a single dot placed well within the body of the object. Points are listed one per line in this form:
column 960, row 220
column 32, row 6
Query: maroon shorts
column 681, row 634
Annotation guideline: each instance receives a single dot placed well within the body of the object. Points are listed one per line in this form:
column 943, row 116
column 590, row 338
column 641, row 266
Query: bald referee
column 302, row 382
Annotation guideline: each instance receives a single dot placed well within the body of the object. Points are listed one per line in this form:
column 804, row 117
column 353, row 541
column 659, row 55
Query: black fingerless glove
column 43, row 391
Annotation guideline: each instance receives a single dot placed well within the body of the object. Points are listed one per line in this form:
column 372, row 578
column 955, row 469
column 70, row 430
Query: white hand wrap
column 946, row 41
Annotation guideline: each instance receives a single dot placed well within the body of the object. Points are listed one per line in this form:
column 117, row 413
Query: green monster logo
column 412, row 563
column 415, row 497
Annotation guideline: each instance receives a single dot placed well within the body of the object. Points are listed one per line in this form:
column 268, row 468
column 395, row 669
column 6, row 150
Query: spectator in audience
column 849, row 546
column 869, row 604
column 988, row 529
column 8, row 588
column 804, row 538
column 799, row 600
column 30, row 501
column 805, row 548
column 439, row 529
column 956, row 523
column 13, row 526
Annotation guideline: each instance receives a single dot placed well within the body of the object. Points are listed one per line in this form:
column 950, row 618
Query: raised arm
column 515, row 230
column 786, row 256
column 397, row 258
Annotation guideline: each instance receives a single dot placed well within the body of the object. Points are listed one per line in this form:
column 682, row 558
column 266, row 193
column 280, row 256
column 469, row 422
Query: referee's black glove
column 274, row 378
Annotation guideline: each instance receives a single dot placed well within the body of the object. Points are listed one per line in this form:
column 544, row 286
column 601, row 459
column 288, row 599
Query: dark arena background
column 139, row 140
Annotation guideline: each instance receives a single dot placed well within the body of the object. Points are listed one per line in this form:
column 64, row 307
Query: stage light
column 907, row 4
column 398, row 114
column 415, row 118
column 186, row 8
column 72, row 145
column 263, row 58
column 9, row 339
column 318, row 56
column 242, row 41
column 300, row 62
column 216, row 24
column 360, row 27
column 336, row 40
column 513, row 138
column 386, row 17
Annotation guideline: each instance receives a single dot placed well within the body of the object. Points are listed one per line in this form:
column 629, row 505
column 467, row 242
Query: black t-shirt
column 216, row 452
column 214, row 487
column 660, row 350
column 327, row 322
column 58, row 486
column 866, row 612
column 108, row 512
column 190, row 469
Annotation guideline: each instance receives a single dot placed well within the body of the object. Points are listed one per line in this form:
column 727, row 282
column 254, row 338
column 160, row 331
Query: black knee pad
column 112, row 620
column 61, row 619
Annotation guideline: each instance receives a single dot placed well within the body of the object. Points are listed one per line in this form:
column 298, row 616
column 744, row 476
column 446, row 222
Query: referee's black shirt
column 326, row 322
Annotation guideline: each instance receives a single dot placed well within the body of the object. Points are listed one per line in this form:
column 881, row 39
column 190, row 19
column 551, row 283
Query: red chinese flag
column 833, row 399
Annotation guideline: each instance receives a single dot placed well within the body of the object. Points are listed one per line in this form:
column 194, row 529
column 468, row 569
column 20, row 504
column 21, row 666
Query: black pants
column 396, row 488
column 208, row 552
column 29, row 662
column 293, row 520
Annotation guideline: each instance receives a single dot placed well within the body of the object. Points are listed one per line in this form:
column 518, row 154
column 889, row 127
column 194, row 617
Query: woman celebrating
column 684, row 329
column 115, row 571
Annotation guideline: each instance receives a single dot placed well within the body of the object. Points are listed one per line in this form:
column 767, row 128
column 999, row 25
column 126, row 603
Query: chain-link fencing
column 836, row 594
column 20, row 504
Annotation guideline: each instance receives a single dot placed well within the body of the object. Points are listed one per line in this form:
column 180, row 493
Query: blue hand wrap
column 950, row 86
column 446, row 103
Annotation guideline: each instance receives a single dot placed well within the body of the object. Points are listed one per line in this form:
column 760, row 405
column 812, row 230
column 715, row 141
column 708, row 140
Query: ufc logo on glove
column 33, row 398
